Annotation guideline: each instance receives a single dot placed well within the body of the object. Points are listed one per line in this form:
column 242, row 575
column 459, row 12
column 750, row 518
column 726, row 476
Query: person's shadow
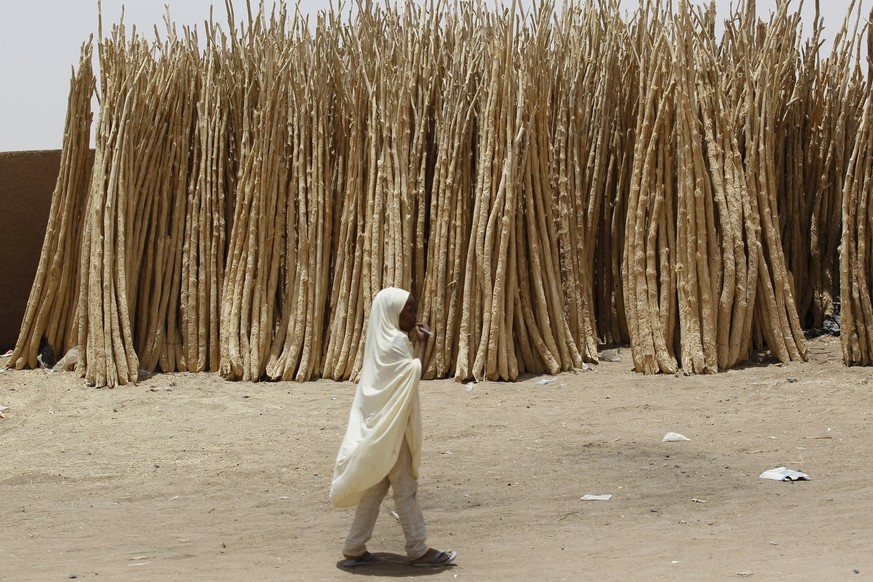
column 393, row 565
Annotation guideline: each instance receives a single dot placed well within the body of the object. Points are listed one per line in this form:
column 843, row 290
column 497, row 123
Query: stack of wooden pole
column 106, row 352
column 298, row 342
column 765, row 57
column 551, row 304
column 485, row 341
column 210, row 194
column 587, row 167
column 256, row 247
column 856, row 266
column 53, row 297
column 735, row 225
column 650, row 266
column 450, row 200
column 388, row 83
column 621, row 101
column 711, row 183
column 544, row 182
column 821, row 124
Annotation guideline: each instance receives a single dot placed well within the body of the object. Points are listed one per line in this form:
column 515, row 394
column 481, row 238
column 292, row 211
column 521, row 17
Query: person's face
column 408, row 315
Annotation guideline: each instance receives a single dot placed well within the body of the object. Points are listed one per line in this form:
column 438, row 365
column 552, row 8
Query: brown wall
column 27, row 180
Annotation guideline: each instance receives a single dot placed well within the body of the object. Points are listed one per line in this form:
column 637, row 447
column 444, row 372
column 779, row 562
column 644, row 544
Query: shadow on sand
column 393, row 565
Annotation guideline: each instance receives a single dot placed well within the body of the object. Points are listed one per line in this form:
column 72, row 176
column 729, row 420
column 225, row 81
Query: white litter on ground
column 783, row 474
column 606, row 497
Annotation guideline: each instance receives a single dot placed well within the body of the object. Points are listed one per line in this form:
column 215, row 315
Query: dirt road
column 189, row 477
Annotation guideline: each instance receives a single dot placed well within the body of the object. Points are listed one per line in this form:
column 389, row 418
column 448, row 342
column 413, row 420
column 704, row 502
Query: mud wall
column 27, row 180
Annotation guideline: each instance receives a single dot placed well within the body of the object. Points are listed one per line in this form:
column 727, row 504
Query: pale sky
column 40, row 43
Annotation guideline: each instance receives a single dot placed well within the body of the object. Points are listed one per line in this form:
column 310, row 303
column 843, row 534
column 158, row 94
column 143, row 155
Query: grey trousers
column 404, row 486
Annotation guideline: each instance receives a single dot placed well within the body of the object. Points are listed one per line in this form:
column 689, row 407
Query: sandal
column 438, row 560
column 366, row 559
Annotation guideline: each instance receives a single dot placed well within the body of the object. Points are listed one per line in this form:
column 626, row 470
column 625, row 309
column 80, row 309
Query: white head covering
column 385, row 408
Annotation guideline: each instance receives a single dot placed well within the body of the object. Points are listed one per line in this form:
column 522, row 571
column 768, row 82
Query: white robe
column 385, row 409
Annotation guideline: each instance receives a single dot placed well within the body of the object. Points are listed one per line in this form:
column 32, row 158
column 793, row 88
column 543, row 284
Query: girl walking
column 382, row 444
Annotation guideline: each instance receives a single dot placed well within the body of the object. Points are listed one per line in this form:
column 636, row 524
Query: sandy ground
column 189, row 477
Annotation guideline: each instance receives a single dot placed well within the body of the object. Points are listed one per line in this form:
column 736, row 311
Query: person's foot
column 434, row 558
column 365, row 559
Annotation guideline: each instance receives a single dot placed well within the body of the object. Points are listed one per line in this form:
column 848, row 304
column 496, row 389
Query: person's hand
column 422, row 332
